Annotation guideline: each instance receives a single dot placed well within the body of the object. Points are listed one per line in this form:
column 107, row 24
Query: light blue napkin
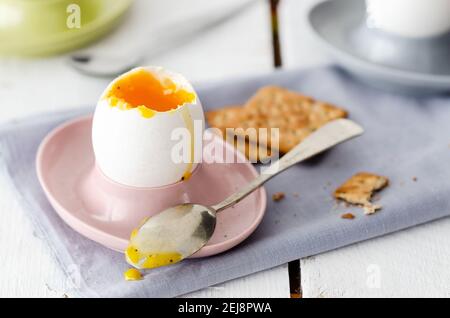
column 406, row 138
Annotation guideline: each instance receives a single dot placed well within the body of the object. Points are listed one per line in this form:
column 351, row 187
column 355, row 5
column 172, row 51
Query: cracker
column 221, row 118
column 229, row 117
column 359, row 189
column 295, row 115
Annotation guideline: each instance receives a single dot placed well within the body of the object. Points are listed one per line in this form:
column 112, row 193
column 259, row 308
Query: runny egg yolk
column 161, row 259
column 142, row 90
column 190, row 127
column 132, row 274
column 149, row 261
column 133, row 233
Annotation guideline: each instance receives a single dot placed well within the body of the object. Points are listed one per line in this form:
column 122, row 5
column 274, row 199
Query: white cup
column 409, row 18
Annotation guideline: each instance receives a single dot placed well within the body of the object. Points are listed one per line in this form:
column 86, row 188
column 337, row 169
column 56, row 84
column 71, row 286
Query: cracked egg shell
column 134, row 132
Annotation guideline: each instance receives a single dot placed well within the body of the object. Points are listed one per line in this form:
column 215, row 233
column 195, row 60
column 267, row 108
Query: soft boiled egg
column 147, row 128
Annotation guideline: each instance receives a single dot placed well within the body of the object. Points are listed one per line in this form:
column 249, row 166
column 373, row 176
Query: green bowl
column 44, row 27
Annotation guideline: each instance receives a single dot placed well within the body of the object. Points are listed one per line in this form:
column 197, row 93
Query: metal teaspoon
column 186, row 228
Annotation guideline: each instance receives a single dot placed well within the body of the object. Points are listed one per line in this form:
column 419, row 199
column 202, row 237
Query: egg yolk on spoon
column 149, row 261
column 142, row 90
column 146, row 261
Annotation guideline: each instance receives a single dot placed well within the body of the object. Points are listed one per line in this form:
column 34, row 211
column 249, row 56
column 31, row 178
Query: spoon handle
column 322, row 139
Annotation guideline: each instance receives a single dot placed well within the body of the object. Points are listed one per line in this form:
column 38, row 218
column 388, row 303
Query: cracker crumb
column 278, row 196
column 371, row 209
column 348, row 216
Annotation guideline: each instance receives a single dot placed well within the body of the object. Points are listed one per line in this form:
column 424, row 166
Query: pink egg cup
column 107, row 212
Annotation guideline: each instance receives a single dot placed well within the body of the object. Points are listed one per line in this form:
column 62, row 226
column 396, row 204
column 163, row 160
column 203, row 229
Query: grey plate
column 382, row 60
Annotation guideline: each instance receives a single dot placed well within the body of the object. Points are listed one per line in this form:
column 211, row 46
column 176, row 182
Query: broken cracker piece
column 371, row 208
column 359, row 190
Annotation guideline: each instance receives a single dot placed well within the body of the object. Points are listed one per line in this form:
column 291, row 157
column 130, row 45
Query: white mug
column 409, row 18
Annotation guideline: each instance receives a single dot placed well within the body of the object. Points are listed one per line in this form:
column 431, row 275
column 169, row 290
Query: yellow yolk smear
column 161, row 259
column 190, row 127
column 132, row 274
column 142, row 90
column 133, row 233
column 135, row 257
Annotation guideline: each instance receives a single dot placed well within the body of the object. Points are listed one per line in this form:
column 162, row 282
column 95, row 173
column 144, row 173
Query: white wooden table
column 409, row 263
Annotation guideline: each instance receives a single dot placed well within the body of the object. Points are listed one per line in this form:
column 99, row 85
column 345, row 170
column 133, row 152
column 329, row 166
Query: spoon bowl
column 181, row 230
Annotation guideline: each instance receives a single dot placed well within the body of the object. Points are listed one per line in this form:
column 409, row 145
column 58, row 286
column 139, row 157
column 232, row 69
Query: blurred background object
column 157, row 42
column 409, row 18
column 237, row 47
column 44, row 27
column 386, row 57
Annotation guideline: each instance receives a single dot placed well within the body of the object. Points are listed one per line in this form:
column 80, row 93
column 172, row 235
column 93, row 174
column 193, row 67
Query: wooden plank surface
column 266, row 284
column 410, row 263
column 239, row 47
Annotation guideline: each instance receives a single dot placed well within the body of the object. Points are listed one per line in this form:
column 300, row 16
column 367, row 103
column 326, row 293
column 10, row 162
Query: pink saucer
column 107, row 212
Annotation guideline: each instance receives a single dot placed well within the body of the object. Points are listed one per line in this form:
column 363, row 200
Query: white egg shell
column 137, row 151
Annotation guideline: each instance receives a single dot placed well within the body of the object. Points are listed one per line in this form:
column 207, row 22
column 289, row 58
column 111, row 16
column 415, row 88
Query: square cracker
column 227, row 117
column 360, row 188
column 223, row 117
column 295, row 115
